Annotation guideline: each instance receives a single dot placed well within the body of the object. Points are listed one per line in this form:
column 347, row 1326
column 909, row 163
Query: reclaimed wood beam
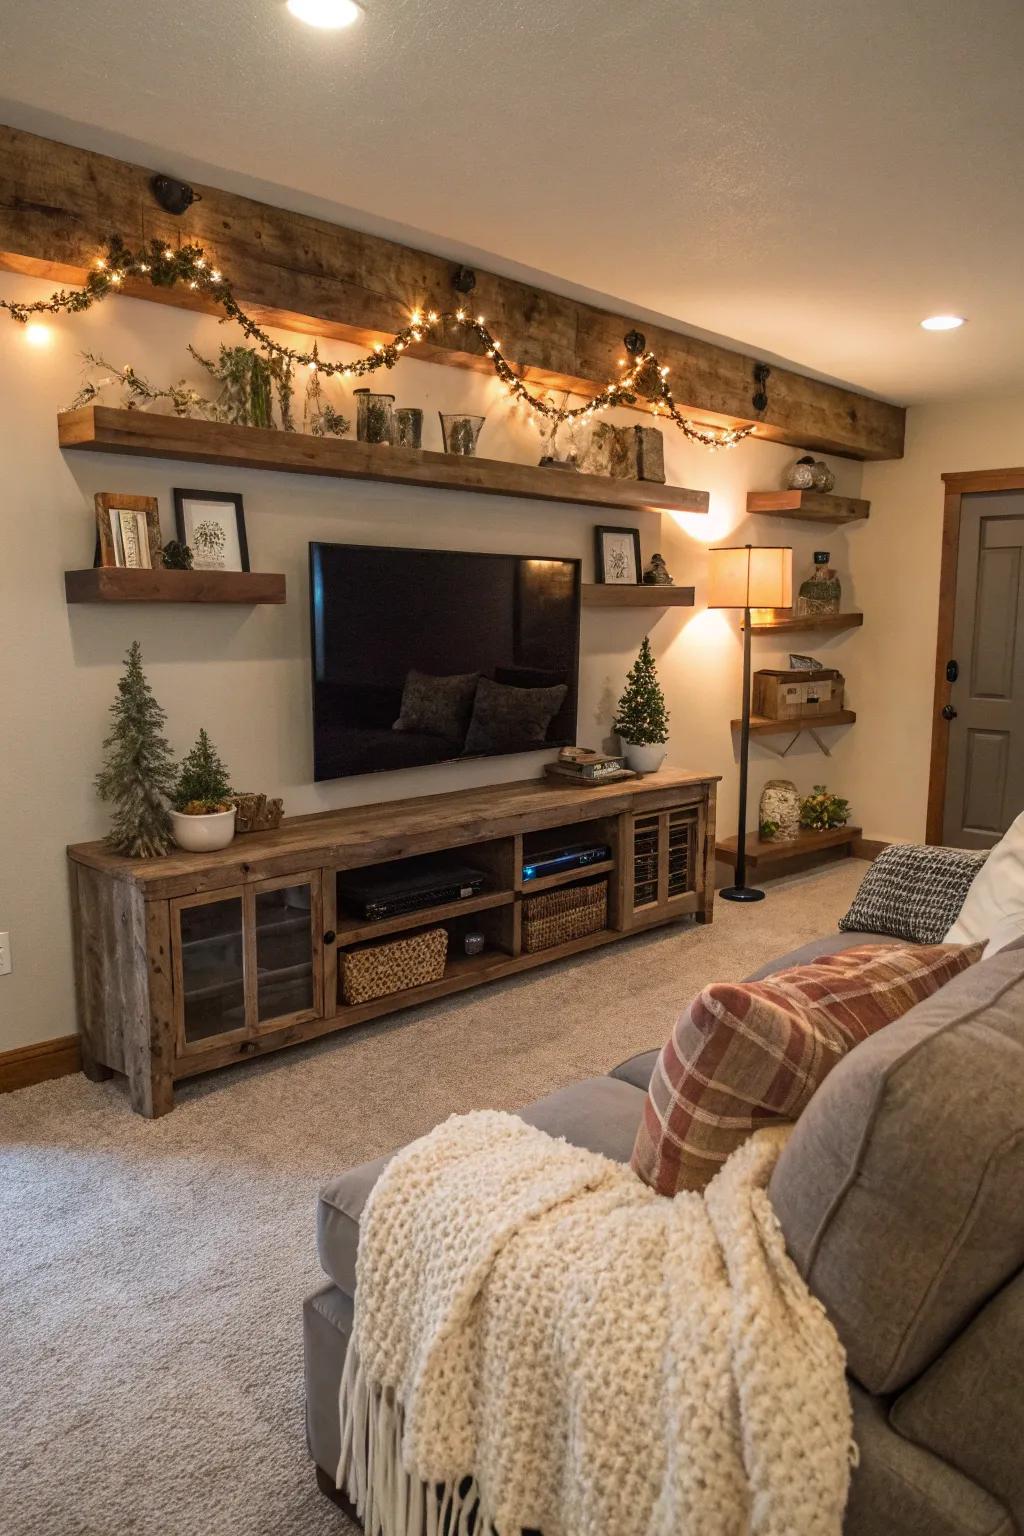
column 59, row 206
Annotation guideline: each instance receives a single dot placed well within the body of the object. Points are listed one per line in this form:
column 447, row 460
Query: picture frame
column 212, row 524
column 617, row 559
column 127, row 531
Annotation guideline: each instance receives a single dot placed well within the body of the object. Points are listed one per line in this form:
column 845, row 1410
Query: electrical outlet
column 5, row 954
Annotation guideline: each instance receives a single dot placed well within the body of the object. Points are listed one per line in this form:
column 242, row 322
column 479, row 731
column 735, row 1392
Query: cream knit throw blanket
column 543, row 1343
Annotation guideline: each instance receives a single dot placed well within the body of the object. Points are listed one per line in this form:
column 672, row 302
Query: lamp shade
column 750, row 577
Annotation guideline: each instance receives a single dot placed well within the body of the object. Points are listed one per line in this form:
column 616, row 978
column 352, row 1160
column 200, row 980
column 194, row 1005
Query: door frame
column 957, row 486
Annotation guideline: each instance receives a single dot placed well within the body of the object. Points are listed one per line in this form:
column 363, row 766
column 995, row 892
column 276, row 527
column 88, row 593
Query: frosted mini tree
column 138, row 774
column 641, row 717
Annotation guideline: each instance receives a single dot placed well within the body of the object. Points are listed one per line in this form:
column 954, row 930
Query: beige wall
column 244, row 674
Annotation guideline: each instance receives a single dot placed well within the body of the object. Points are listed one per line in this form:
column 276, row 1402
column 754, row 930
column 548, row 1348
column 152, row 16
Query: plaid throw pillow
column 749, row 1054
column 914, row 892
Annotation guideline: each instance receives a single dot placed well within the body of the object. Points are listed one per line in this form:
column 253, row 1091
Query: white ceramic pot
column 202, row 834
column 643, row 759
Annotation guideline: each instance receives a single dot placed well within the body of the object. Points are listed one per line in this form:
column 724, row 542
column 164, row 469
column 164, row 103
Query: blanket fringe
column 388, row 1500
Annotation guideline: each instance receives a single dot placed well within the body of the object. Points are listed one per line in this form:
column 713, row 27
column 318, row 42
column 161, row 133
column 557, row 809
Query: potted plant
column 820, row 811
column 641, row 718
column 203, row 814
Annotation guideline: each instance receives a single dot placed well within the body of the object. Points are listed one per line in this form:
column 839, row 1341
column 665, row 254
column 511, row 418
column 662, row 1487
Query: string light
column 642, row 380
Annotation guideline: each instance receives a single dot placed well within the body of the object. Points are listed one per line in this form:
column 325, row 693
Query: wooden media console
column 197, row 961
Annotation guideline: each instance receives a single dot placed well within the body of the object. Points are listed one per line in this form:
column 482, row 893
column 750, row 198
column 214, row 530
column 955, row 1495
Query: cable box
column 377, row 894
column 555, row 861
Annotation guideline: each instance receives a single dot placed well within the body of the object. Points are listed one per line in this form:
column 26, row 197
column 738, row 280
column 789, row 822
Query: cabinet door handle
column 330, row 936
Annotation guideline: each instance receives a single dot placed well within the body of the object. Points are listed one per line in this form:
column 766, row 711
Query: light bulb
column 329, row 15
column 38, row 335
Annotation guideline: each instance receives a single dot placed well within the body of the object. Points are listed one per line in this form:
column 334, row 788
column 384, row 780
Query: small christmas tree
column 203, row 785
column 641, row 717
column 138, row 771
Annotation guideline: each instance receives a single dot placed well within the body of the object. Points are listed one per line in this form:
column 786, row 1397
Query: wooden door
column 985, row 709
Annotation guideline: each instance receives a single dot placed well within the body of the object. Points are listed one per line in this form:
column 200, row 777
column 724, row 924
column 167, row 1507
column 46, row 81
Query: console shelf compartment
column 107, row 429
column 809, row 506
column 600, row 594
column 198, row 961
column 110, row 584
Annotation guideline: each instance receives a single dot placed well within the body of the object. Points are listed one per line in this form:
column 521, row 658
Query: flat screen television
column 426, row 656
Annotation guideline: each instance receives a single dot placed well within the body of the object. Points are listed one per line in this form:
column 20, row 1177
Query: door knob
column 948, row 712
column 330, row 936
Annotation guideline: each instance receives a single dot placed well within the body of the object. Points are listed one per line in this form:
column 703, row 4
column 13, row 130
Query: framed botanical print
column 127, row 530
column 618, row 556
column 212, row 524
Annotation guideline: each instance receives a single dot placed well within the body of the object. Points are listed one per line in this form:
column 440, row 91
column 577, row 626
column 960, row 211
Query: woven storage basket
column 568, row 913
column 385, row 968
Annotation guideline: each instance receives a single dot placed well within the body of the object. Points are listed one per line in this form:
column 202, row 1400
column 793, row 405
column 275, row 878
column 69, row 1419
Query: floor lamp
column 748, row 577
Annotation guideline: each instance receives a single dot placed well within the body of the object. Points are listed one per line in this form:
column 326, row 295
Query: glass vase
column 375, row 416
column 460, row 432
column 408, row 427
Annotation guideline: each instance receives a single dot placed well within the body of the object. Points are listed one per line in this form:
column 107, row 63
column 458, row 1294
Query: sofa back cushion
column 748, row 1054
column 900, row 1191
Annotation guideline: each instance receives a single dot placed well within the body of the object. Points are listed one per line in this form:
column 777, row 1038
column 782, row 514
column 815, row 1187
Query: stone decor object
column 375, row 417
column 800, row 476
column 460, row 432
column 257, row 813
column 779, row 815
column 657, row 574
column 822, row 592
column 624, row 453
column 824, row 479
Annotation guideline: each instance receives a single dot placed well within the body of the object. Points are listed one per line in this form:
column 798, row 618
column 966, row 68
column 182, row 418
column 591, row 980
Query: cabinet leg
column 94, row 1070
column 151, row 1091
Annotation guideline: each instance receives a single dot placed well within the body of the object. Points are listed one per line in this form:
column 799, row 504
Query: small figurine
column 657, row 575
column 801, row 474
column 175, row 556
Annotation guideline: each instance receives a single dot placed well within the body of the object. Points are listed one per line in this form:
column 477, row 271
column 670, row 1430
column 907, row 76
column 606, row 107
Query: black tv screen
column 426, row 656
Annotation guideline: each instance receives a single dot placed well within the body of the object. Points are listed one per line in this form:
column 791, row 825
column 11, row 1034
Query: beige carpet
column 153, row 1272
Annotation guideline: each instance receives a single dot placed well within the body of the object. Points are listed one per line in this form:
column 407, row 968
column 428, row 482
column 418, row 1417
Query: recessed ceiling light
column 328, row 14
column 942, row 323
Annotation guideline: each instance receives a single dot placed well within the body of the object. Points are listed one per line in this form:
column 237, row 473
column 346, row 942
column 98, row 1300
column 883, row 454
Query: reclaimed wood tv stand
column 195, row 961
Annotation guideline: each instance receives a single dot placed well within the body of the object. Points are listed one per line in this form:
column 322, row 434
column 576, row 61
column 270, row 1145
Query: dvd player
column 555, row 861
column 376, row 894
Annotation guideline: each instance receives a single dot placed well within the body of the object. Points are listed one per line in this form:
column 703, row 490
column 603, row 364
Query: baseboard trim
column 867, row 848
column 30, row 1064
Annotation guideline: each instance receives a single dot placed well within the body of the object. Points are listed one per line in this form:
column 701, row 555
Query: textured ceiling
column 808, row 179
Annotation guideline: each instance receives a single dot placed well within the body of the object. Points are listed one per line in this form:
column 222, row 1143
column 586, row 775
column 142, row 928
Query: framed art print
column 127, row 530
column 618, row 556
column 212, row 524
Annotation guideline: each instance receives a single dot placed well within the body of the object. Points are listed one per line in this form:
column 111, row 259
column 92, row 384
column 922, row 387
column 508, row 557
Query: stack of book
column 580, row 765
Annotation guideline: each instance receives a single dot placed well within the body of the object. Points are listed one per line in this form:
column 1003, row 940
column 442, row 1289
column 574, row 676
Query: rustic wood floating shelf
column 783, row 620
column 110, row 585
column 106, row 429
column 607, row 595
column 761, row 725
column 804, row 846
column 808, row 506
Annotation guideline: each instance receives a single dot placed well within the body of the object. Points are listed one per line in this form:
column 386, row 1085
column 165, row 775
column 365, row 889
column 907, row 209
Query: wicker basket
column 569, row 913
column 381, row 969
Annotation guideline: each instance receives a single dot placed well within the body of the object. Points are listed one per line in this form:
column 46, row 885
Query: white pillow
column 994, row 908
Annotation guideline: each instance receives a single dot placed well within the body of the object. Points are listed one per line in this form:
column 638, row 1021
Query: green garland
column 165, row 267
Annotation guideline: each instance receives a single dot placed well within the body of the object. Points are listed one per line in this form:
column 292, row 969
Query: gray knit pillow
column 914, row 892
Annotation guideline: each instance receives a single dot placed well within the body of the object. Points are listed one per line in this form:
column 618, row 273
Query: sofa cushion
column 751, row 1054
column 899, row 1192
column 914, row 892
column 600, row 1114
column 994, row 908
column 899, row 1489
column 969, row 1406
column 637, row 1069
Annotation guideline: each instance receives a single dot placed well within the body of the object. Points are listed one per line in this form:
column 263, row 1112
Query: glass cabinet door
column 211, row 950
column 286, row 949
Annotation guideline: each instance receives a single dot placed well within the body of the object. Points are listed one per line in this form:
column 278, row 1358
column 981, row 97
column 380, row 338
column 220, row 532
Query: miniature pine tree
column 138, row 771
column 641, row 717
column 203, row 785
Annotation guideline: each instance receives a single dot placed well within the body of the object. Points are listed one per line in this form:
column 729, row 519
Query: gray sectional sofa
column 901, row 1196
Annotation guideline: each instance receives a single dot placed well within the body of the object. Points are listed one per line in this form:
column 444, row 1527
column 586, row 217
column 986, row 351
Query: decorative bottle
column 822, row 592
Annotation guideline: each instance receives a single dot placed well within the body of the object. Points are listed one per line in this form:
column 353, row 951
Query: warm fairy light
column 480, row 320
column 115, row 277
column 38, row 335
column 416, row 318
column 214, row 275
column 311, row 367
column 377, row 347
column 100, row 262
column 432, row 317
column 143, row 266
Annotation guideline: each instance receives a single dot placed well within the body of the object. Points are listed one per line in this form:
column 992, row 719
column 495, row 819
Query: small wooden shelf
column 761, row 725
column 773, row 621
column 609, row 595
column 804, row 846
column 353, row 930
column 107, row 429
column 808, row 506
column 117, row 585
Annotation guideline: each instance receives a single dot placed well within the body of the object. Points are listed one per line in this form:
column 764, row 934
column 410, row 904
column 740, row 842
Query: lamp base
column 741, row 893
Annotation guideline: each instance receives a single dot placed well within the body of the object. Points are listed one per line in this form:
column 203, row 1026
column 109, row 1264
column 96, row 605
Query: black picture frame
column 601, row 569
column 182, row 495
